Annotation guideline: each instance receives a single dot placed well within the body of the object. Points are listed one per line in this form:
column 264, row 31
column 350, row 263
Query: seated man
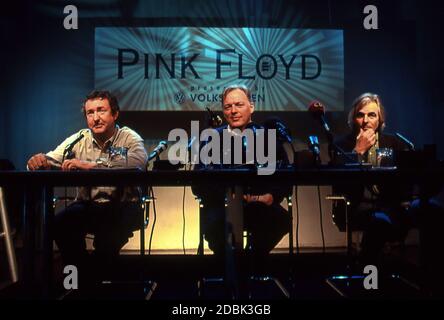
column 264, row 219
column 376, row 210
column 110, row 213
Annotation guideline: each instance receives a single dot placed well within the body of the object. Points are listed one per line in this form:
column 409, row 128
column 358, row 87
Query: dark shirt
column 348, row 142
column 368, row 197
column 215, row 193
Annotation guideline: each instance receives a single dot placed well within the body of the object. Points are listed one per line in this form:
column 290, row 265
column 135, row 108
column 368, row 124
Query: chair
column 252, row 279
column 351, row 281
column 267, row 279
column 148, row 285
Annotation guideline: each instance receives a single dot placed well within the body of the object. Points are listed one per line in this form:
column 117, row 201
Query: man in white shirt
column 110, row 213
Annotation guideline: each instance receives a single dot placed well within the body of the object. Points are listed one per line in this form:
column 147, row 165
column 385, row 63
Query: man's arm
column 58, row 153
column 266, row 198
column 137, row 156
column 38, row 162
column 52, row 159
column 76, row 164
column 275, row 193
column 136, row 153
column 364, row 141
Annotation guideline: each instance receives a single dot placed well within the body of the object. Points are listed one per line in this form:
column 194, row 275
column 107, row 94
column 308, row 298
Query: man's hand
column 38, row 162
column 76, row 164
column 365, row 140
column 264, row 198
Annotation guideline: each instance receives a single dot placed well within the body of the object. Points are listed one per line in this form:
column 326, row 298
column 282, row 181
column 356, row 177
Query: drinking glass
column 385, row 157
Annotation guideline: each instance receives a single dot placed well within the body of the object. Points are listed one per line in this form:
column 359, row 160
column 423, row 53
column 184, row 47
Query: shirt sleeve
column 137, row 156
column 56, row 155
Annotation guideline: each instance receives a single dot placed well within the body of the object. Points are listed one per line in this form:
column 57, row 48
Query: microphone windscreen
column 218, row 121
column 316, row 108
column 215, row 120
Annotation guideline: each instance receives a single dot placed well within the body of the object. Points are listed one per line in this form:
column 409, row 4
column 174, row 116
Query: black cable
column 297, row 219
column 66, row 187
column 320, row 220
column 183, row 219
column 183, row 212
column 66, row 198
column 154, row 220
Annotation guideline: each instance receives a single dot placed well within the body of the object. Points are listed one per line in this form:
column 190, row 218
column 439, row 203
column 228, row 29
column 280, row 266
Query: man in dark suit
column 264, row 218
column 380, row 212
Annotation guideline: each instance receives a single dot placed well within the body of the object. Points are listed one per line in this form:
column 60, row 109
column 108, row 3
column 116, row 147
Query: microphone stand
column 334, row 148
column 317, row 112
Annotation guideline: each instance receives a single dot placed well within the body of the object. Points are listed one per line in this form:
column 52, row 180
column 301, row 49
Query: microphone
column 158, row 150
column 406, row 141
column 317, row 111
column 215, row 120
column 313, row 145
column 67, row 153
column 283, row 132
column 191, row 142
column 192, row 149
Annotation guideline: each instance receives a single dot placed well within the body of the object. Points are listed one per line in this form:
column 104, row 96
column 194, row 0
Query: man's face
column 99, row 117
column 368, row 117
column 237, row 109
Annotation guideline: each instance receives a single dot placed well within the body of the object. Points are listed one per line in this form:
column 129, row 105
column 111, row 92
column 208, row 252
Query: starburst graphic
column 186, row 68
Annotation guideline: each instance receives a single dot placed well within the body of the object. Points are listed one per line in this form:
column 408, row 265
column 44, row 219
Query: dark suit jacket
column 215, row 193
column 348, row 142
column 363, row 199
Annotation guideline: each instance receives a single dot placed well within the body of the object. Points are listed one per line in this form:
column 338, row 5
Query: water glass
column 385, row 157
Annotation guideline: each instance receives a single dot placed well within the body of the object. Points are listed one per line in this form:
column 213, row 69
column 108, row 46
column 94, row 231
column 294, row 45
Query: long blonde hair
column 362, row 101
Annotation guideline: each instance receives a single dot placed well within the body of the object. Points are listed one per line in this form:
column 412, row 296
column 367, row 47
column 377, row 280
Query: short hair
column 233, row 87
column 97, row 94
column 362, row 101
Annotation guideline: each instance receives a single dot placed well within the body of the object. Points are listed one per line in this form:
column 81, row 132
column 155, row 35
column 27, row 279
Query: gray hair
column 362, row 101
column 233, row 87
